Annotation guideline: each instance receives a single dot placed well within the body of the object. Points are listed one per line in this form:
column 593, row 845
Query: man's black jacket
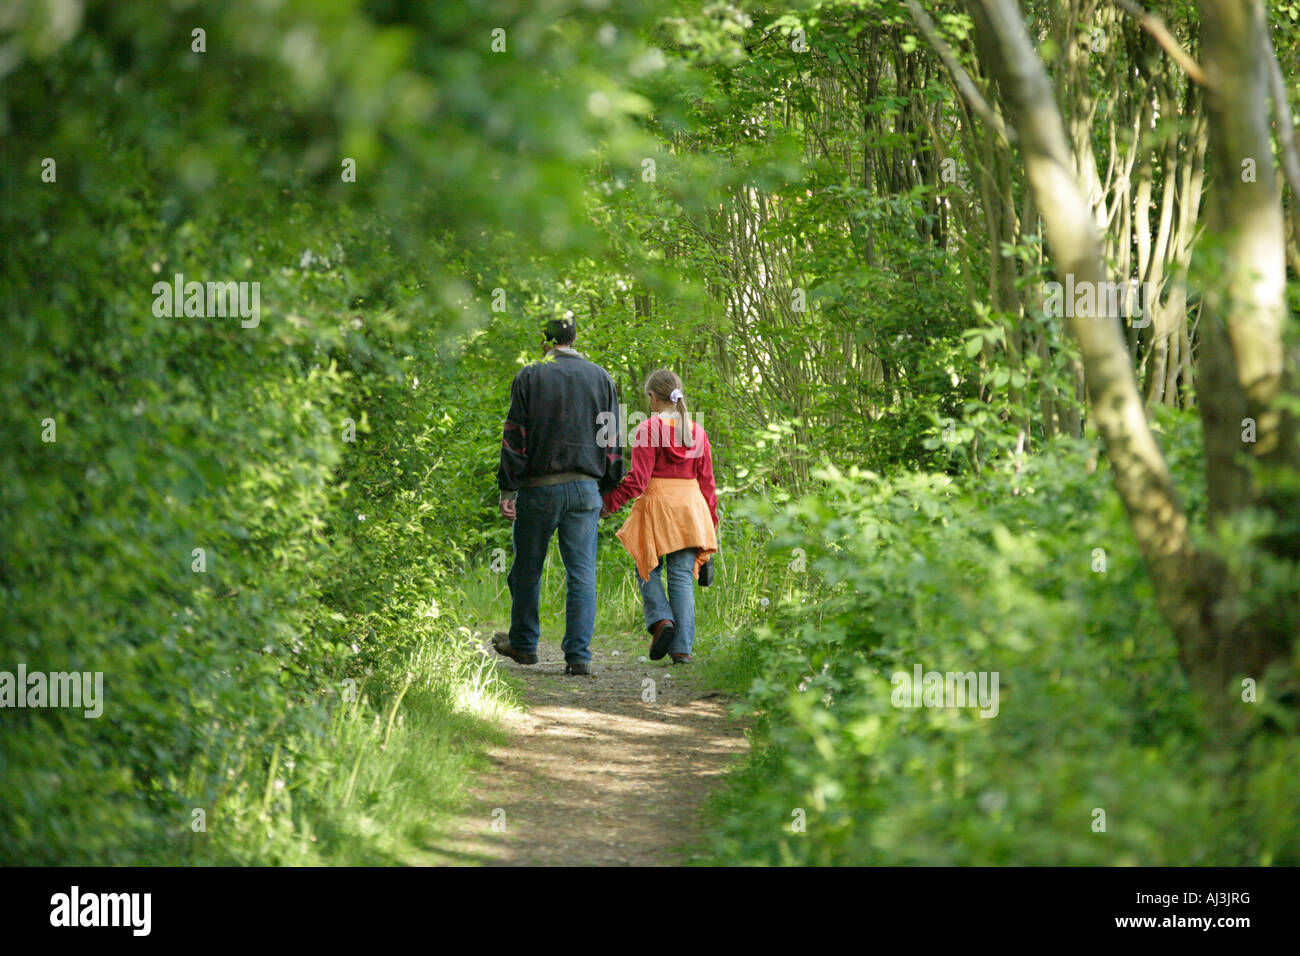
column 564, row 417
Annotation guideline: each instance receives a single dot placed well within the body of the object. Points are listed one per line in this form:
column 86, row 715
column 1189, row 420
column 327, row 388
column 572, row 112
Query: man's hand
column 606, row 511
column 508, row 508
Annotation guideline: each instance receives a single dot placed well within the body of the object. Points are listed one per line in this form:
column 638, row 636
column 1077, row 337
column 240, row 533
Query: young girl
column 675, row 515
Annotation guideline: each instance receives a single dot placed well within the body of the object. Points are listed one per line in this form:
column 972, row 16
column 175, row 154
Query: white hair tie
column 675, row 396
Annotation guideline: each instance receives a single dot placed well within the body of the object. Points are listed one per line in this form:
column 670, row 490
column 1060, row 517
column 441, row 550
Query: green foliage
column 1094, row 713
column 235, row 524
column 202, row 529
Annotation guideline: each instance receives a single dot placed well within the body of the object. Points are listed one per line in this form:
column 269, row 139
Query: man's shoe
column 662, row 633
column 501, row 644
column 682, row 659
column 577, row 670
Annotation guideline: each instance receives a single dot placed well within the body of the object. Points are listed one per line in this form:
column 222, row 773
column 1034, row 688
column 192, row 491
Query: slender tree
column 1220, row 633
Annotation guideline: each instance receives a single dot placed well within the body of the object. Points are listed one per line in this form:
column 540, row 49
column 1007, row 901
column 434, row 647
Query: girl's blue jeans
column 679, row 605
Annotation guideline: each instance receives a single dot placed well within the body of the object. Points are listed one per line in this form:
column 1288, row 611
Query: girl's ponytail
column 687, row 437
column 664, row 385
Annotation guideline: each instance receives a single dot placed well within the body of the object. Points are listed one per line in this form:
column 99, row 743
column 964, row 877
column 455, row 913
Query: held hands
column 606, row 511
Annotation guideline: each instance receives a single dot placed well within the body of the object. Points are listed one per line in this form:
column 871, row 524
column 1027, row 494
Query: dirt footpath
column 605, row 770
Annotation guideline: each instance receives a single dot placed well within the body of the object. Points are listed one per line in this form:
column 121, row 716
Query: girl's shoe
column 662, row 633
column 682, row 659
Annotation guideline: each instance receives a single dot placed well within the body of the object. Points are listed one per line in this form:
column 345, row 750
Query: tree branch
column 1286, row 137
column 963, row 80
column 1154, row 24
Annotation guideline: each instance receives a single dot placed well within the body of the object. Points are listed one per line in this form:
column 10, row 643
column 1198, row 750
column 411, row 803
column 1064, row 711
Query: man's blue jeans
column 679, row 606
column 574, row 508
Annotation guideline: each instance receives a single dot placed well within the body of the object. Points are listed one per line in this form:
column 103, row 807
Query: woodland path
column 593, row 774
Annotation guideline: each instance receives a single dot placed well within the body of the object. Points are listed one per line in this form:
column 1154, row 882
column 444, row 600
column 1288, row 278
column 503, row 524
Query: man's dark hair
column 560, row 331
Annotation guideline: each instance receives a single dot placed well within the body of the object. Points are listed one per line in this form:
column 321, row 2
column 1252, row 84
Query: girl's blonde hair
column 661, row 384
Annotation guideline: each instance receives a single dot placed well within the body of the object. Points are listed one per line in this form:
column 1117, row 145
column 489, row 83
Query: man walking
column 555, row 464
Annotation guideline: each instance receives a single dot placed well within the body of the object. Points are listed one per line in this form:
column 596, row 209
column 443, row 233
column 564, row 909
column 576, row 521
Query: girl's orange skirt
column 671, row 514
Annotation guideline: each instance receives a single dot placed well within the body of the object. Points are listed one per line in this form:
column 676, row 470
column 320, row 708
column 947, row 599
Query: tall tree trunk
column 1241, row 361
column 1186, row 589
column 1244, row 369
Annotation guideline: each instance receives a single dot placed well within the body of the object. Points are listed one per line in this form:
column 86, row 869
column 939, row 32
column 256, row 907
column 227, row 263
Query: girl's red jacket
column 658, row 452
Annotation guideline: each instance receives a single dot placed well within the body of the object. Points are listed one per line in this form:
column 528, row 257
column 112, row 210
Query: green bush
column 1094, row 713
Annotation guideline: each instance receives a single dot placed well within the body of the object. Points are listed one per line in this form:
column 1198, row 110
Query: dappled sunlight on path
column 594, row 773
